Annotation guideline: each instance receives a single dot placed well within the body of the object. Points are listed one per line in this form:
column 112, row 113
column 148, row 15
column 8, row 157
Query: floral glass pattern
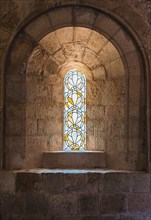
column 75, row 111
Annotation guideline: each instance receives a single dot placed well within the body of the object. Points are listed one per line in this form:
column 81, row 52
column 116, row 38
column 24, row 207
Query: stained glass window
column 75, row 111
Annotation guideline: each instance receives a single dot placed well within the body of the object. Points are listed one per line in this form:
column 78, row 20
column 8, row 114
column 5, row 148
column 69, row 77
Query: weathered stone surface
column 16, row 127
column 82, row 16
column 134, row 91
column 88, row 203
column 16, row 111
column 116, row 182
column 28, row 182
column 104, row 23
column 63, row 204
column 135, row 66
column 38, row 27
column 139, row 203
column 92, row 182
column 61, row 16
column 36, row 204
column 53, row 183
column 112, row 203
column 75, row 183
column 7, row 182
column 15, row 15
column 31, row 127
column 12, row 204
column 140, row 182
column 16, row 93
column 74, row 160
column 125, row 42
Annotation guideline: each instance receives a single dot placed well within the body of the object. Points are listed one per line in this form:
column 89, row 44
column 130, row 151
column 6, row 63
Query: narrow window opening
column 74, row 111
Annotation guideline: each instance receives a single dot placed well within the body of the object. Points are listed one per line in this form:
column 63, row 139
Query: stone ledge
column 74, row 160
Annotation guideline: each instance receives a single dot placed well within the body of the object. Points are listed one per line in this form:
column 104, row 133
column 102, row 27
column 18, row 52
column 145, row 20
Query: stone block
column 133, row 62
column 16, row 145
column 92, row 182
column 116, row 91
column 60, row 57
column 78, row 51
column 124, row 41
column 7, row 181
column 28, row 182
column 106, row 25
column 15, row 127
column 22, row 47
column 12, row 204
column 16, row 93
column 116, row 182
column 57, row 93
column 61, row 17
column 95, row 112
column 139, row 203
column 140, row 182
column 115, row 128
column 63, row 204
column 15, row 159
column 90, row 59
column 30, row 111
column 134, row 128
column 65, row 35
column 56, row 142
column 31, row 127
column 51, row 43
column 82, row 16
column 16, row 111
column 82, row 35
column 75, row 182
column 107, row 55
column 99, row 73
column 36, row 204
column 134, row 90
column 112, row 203
column 74, row 160
column 101, row 183
column 115, row 69
column 88, row 204
column 97, row 93
column 53, row 183
column 116, row 154
column 96, row 41
column 38, row 27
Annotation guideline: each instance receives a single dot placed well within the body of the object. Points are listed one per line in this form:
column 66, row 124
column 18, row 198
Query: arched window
column 75, row 111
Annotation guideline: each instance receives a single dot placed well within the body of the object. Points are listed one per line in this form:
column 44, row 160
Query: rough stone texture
column 108, row 89
column 36, row 204
column 139, row 203
column 88, row 203
column 74, row 160
column 125, row 152
column 75, row 194
column 113, row 203
column 64, row 204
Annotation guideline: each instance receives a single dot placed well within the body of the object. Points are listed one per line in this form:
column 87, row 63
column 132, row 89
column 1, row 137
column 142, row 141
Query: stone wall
column 133, row 51
column 63, row 195
column 106, row 98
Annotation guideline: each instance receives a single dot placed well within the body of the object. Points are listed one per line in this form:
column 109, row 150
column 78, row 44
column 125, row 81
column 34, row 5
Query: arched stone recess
column 134, row 139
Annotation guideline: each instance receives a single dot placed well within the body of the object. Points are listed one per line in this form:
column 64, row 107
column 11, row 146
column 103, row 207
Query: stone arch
column 83, row 16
